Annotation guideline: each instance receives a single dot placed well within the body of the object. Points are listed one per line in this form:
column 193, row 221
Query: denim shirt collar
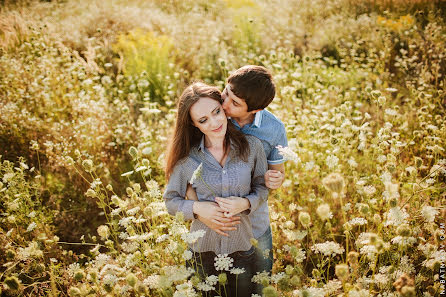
column 255, row 124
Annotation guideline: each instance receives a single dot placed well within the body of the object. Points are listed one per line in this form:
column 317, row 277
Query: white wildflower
column 358, row 221
column 323, row 211
column 369, row 190
column 429, row 213
column 223, row 262
column 404, row 241
column 197, row 173
column 237, row 270
column 288, row 154
column 395, row 217
column 328, row 248
column 187, row 255
column 332, row 161
column 31, row 227
column 275, row 278
column 192, row 237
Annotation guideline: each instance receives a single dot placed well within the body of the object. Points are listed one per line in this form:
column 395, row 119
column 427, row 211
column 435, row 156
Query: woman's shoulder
column 253, row 141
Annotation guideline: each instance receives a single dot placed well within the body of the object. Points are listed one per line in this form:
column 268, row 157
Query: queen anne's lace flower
column 328, row 248
column 223, row 262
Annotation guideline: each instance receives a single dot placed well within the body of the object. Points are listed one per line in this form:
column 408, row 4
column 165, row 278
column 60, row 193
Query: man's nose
column 224, row 103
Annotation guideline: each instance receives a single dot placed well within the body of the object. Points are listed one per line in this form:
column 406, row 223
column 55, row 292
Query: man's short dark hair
column 254, row 84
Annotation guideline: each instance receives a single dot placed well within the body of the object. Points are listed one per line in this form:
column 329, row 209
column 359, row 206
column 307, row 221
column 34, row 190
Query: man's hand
column 233, row 205
column 190, row 193
column 274, row 179
column 210, row 214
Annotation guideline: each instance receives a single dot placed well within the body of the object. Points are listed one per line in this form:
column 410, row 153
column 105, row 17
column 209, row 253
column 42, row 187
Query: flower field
column 88, row 92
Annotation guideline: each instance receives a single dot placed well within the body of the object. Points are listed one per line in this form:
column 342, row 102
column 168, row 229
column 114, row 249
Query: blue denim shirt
column 271, row 132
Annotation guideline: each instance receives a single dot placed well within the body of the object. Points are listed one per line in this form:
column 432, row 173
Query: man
column 249, row 91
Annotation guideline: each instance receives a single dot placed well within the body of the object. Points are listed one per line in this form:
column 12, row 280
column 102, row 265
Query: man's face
column 234, row 106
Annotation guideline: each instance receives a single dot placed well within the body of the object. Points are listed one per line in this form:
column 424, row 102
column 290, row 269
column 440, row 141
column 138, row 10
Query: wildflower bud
column 129, row 191
column 380, row 245
column 377, row 219
column 133, row 152
column 90, row 193
column 295, row 281
column 74, row 292
column 373, row 238
column 334, row 182
column 79, row 275
column 88, row 165
column 93, row 276
column 269, row 291
column 364, row 208
column 108, row 288
column 408, row 291
column 10, row 254
column 305, row 219
column 69, row 160
column 353, row 258
column 305, row 293
column 342, row 272
column 109, row 187
column 12, row 283
column 195, row 280
column 323, row 211
column 375, row 94
column 393, row 202
column 289, row 269
column 131, row 279
column 328, row 225
column 222, row 278
column 418, row 162
column 136, row 187
column 115, row 200
column 368, row 89
column 254, row 242
column 104, row 232
column 381, row 100
column 315, row 273
column 403, row 230
column 289, row 225
column 347, row 226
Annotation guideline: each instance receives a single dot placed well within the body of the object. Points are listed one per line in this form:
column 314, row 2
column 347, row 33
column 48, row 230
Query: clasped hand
column 221, row 216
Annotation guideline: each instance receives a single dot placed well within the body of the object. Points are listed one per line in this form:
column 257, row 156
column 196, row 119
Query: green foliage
column 145, row 52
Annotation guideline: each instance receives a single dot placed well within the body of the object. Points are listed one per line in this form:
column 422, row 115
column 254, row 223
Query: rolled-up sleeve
column 259, row 192
column 274, row 156
column 175, row 193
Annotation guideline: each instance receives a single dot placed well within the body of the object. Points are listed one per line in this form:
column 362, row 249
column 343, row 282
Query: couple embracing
column 232, row 140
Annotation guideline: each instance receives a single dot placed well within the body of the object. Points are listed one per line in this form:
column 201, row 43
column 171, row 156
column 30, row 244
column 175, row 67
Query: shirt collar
column 258, row 119
column 201, row 146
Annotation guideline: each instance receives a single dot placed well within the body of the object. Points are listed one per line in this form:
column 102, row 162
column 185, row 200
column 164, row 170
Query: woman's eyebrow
column 211, row 112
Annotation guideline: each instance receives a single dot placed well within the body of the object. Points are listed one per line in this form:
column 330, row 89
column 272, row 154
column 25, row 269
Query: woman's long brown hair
column 186, row 135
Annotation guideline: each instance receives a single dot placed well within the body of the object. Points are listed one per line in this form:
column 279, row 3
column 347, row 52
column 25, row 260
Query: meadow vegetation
column 87, row 104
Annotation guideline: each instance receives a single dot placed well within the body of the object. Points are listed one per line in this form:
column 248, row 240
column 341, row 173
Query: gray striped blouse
column 236, row 178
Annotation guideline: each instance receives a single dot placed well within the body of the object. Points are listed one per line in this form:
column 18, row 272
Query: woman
column 232, row 167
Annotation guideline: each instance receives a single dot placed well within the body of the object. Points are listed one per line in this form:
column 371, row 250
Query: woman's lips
column 218, row 129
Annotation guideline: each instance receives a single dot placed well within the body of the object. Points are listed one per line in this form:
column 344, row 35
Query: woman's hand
column 210, row 214
column 233, row 205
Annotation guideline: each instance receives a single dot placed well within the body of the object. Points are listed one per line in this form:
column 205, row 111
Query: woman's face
column 207, row 115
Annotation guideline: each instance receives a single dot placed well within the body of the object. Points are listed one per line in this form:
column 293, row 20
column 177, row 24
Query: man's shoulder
column 269, row 119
